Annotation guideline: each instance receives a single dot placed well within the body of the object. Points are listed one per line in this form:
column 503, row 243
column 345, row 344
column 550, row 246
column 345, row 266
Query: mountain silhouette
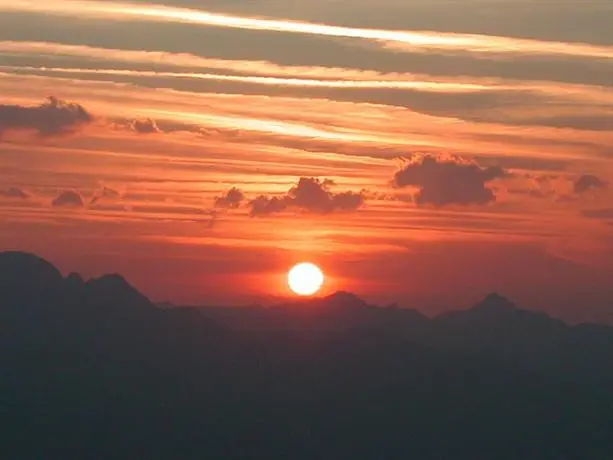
column 114, row 291
column 495, row 303
column 27, row 281
column 343, row 299
column 93, row 369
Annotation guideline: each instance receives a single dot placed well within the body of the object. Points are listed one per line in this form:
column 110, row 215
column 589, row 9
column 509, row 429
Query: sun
column 305, row 279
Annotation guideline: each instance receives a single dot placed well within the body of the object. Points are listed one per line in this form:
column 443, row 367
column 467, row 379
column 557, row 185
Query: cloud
column 310, row 195
column 68, row 199
column 232, row 199
column 392, row 39
column 447, row 181
column 14, row 192
column 146, row 126
column 588, row 182
column 53, row 117
column 105, row 192
column 263, row 205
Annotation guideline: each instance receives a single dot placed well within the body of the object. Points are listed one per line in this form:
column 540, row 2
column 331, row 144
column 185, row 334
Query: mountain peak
column 74, row 279
column 114, row 290
column 495, row 303
column 112, row 280
column 345, row 299
column 27, row 280
column 23, row 266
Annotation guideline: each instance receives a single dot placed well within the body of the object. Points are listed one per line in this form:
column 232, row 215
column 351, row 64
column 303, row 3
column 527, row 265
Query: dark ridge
column 22, row 269
column 27, row 281
column 102, row 373
column 113, row 289
column 495, row 303
column 344, row 299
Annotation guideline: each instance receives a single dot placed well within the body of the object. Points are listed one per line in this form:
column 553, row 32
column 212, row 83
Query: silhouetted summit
column 21, row 267
column 497, row 311
column 342, row 299
column 114, row 291
column 28, row 281
column 100, row 372
column 495, row 303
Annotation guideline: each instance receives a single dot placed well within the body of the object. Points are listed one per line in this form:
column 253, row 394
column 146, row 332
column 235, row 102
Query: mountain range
column 94, row 369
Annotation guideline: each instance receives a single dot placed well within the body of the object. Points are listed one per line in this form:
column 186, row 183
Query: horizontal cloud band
column 397, row 40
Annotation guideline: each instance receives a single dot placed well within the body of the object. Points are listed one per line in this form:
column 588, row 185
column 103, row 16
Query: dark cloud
column 105, row 192
column 15, row 192
column 310, row 195
column 447, row 181
column 68, row 199
column 146, row 126
column 588, row 182
column 263, row 205
column 53, row 117
column 313, row 195
column 232, row 199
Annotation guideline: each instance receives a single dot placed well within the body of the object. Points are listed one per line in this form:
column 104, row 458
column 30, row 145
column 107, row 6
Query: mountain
column 92, row 369
column 497, row 325
column 27, row 281
column 114, row 291
column 30, row 282
column 340, row 311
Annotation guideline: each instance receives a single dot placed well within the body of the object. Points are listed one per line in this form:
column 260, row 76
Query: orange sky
column 426, row 161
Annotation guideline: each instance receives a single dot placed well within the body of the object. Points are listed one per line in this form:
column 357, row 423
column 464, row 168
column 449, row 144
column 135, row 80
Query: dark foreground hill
column 93, row 370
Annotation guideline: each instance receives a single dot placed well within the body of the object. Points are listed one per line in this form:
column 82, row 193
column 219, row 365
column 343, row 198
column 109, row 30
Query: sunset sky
column 422, row 152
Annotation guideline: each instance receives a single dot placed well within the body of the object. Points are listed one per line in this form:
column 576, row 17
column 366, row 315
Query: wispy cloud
column 319, row 125
column 434, row 86
column 393, row 39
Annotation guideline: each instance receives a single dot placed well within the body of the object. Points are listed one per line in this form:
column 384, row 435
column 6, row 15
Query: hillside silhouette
column 93, row 369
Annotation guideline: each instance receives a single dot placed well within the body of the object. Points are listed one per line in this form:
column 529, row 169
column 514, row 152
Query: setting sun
column 305, row 279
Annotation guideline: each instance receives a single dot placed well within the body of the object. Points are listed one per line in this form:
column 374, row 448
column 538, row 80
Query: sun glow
column 305, row 279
